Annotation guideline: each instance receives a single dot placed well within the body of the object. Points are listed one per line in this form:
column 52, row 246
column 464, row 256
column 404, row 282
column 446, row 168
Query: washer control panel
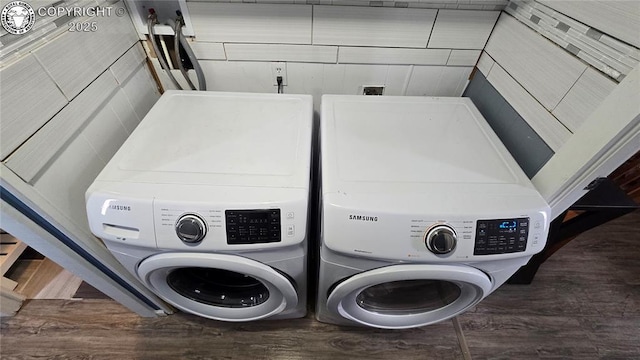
column 181, row 225
column 501, row 236
column 252, row 226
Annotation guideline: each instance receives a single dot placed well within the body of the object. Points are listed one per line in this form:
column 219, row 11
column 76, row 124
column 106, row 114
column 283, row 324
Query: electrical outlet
column 279, row 69
column 372, row 89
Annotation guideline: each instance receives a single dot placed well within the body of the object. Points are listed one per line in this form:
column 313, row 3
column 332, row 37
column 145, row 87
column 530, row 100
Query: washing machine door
column 218, row 286
column 405, row 296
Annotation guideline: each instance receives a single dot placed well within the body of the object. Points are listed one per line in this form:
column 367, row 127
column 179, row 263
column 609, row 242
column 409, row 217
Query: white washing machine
column 207, row 201
column 424, row 211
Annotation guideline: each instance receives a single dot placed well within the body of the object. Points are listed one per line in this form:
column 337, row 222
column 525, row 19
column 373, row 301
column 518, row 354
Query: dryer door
column 404, row 296
column 218, row 286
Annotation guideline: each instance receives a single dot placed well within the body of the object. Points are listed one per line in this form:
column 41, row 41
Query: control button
column 291, row 230
column 290, row 215
column 190, row 228
column 536, row 225
column 440, row 239
column 536, row 240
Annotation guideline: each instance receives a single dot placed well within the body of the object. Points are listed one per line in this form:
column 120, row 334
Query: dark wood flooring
column 583, row 304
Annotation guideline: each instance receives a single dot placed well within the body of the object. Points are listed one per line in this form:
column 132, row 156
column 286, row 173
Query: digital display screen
column 507, row 226
column 510, row 224
column 501, row 236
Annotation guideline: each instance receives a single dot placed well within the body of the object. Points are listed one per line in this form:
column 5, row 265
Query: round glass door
column 405, row 296
column 236, row 289
column 218, row 287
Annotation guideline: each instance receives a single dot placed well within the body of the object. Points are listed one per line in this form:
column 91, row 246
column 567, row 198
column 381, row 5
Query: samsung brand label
column 363, row 218
column 120, row 207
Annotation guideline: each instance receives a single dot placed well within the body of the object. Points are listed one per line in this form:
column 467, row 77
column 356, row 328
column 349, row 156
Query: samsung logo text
column 120, row 207
column 363, row 218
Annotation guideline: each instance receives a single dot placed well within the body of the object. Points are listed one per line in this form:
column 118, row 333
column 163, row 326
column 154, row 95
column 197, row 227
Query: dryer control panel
column 501, row 236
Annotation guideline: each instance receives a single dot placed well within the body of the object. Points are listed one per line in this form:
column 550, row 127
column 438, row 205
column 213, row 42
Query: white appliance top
column 214, row 138
column 390, row 145
column 411, row 140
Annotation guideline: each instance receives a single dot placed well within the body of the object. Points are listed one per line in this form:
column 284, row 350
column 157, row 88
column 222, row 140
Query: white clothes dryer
column 424, row 211
column 207, row 203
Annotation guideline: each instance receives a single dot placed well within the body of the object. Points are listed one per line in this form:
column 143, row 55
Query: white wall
column 427, row 50
column 552, row 87
column 617, row 19
column 559, row 73
column 83, row 93
column 68, row 100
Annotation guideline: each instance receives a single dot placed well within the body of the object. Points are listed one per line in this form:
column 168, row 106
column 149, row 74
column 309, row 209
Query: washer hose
column 202, row 83
column 152, row 19
column 177, row 28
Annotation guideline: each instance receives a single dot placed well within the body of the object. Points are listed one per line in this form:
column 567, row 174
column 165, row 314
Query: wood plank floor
column 583, row 304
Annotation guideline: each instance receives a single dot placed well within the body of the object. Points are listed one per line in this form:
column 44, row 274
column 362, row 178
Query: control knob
column 440, row 239
column 191, row 229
